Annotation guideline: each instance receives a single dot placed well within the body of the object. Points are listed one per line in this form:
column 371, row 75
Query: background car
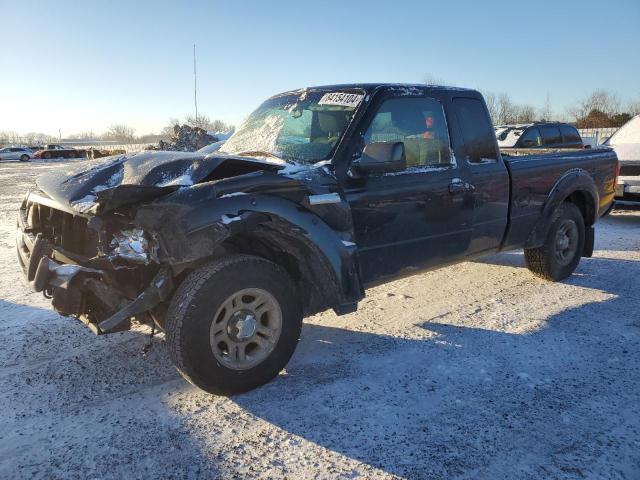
column 58, row 151
column 16, row 153
column 626, row 143
column 539, row 135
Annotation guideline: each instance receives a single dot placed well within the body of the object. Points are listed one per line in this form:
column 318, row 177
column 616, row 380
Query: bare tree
column 82, row 136
column 220, row 126
column 167, row 131
column 433, row 80
column 120, row 133
column 524, row 114
column 506, row 110
column 633, row 108
column 600, row 100
column 546, row 113
column 204, row 122
column 492, row 106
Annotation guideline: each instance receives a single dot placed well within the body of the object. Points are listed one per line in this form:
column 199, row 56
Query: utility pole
column 195, row 83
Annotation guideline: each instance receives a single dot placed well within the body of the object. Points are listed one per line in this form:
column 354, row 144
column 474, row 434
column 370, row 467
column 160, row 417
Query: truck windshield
column 301, row 127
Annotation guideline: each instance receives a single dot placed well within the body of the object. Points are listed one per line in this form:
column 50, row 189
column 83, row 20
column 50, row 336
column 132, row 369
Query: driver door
column 420, row 217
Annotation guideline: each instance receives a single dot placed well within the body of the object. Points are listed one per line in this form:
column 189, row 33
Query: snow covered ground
column 478, row 370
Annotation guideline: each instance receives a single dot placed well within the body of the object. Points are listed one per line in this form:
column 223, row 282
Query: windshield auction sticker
column 342, row 99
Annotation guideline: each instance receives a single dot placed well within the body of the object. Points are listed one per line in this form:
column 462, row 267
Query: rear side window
column 570, row 134
column 479, row 138
column 531, row 138
column 551, row 136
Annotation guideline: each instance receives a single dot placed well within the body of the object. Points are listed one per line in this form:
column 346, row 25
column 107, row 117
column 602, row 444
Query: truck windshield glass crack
column 303, row 126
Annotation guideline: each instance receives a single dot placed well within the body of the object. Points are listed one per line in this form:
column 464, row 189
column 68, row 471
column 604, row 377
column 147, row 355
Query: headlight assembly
column 131, row 245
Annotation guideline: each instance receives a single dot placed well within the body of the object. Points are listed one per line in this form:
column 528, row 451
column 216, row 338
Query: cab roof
column 371, row 87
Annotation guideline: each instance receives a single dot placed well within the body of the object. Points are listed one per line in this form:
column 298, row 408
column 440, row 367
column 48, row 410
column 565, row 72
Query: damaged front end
column 111, row 243
column 102, row 272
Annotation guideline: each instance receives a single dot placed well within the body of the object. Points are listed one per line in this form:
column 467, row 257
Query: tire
column 558, row 258
column 46, row 155
column 24, row 158
column 208, row 315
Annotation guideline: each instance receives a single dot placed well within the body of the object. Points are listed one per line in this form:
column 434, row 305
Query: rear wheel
column 559, row 256
column 233, row 324
column 24, row 158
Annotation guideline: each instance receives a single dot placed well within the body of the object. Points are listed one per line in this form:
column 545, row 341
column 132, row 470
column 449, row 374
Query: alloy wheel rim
column 246, row 328
column 566, row 244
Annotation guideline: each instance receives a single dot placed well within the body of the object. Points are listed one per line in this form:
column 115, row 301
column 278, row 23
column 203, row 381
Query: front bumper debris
column 159, row 290
column 69, row 279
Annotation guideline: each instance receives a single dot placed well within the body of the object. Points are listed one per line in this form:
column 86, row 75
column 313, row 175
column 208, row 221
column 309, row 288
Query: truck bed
column 534, row 176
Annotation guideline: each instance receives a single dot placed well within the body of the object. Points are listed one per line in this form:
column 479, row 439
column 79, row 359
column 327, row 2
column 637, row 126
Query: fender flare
column 201, row 229
column 573, row 181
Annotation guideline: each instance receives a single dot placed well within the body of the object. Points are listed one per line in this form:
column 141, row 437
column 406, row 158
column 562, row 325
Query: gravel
column 478, row 370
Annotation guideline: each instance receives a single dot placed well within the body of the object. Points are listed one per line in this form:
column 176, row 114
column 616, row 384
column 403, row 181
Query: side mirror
column 382, row 157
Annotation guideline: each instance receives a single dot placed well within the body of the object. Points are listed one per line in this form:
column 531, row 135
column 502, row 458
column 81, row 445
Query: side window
column 479, row 138
column 531, row 138
column 417, row 122
column 570, row 134
column 551, row 136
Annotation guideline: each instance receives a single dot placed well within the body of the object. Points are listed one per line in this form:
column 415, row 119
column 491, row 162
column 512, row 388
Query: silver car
column 16, row 153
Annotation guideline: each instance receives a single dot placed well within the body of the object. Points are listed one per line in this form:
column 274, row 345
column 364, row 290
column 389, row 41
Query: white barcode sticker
column 342, row 99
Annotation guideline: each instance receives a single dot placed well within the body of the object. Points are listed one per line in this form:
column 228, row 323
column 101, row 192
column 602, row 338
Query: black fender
column 577, row 185
column 195, row 231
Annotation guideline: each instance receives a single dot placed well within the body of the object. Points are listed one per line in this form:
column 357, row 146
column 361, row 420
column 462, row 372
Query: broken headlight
column 132, row 245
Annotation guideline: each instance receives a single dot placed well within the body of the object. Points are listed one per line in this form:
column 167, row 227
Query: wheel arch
column 575, row 186
column 314, row 255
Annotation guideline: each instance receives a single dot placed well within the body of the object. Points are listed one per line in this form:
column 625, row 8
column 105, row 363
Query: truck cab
column 451, row 199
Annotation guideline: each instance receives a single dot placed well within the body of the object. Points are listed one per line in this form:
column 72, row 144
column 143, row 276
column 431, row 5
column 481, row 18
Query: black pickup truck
column 322, row 193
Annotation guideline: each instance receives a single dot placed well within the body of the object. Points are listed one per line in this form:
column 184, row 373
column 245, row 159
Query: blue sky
column 82, row 66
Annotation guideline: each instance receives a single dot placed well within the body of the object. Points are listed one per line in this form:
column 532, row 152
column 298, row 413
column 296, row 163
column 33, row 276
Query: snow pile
column 221, row 136
column 188, row 139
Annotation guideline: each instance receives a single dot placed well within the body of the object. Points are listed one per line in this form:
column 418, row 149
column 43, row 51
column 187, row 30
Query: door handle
column 456, row 188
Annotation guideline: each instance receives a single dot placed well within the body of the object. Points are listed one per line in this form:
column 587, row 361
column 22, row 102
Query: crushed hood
column 143, row 176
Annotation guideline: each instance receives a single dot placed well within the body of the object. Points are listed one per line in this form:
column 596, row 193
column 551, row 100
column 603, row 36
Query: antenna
column 195, row 84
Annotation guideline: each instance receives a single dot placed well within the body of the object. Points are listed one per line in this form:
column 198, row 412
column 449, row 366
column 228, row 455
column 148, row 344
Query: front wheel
column 233, row 324
column 560, row 254
column 24, row 158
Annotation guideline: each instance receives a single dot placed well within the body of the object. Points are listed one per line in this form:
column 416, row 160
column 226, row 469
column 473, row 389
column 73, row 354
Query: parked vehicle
column 321, row 194
column 626, row 143
column 16, row 153
column 58, row 151
column 539, row 135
